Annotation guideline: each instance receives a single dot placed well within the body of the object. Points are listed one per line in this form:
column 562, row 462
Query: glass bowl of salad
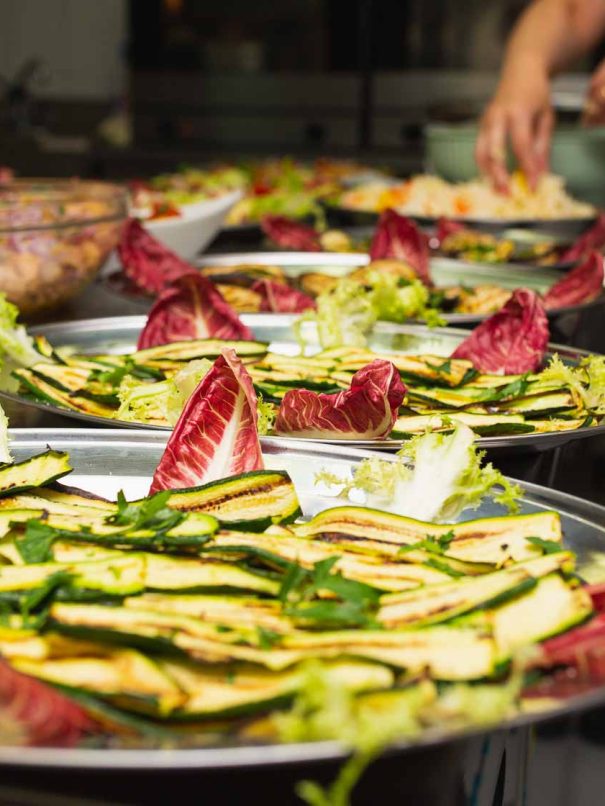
column 55, row 235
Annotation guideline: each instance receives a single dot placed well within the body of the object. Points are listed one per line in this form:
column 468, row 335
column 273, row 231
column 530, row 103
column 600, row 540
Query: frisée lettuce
column 5, row 455
column 147, row 402
column 17, row 348
column 346, row 313
column 435, row 477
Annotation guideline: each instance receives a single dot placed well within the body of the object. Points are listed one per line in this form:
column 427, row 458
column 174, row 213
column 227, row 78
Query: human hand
column 594, row 108
column 520, row 112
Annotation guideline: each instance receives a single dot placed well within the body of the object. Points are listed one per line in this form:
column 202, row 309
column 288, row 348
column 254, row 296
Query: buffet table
column 559, row 763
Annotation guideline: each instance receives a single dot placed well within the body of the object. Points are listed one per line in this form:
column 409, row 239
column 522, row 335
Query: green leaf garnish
column 547, row 546
column 301, row 588
column 150, row 513
column 36, row 544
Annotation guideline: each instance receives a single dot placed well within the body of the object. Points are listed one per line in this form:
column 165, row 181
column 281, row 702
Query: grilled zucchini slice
column 33, row 472
column 251, row 501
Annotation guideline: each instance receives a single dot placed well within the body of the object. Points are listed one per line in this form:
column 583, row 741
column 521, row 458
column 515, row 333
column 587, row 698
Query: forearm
column 550, row 35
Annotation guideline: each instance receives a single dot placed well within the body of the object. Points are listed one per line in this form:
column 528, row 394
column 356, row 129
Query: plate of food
column 186, row 209
column 330, row 379
column 427, row 198
column 292, row 188
column 464, row 292
column 397, row 276
column 447, row 237
column 201, row 604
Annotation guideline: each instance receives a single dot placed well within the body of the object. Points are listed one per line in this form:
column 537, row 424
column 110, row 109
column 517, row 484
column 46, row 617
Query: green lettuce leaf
column 343, row 316
column 144, row 402
column 5, row 455
column 435, row 477
column 594, row 369
column 16, row 345
column 347, row 313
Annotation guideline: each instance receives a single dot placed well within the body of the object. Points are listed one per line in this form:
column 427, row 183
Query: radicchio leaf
column 597, row 595
column 366, row 410
column 147, row 262
column 593, row 238
column 399, row 238
column 216, row 435
column 581, row 284
column 581, row 648
column 191, row 308
column 446, row 227
column 40, row 715
column 281, row 298
column 290, row 234
column 513, row 340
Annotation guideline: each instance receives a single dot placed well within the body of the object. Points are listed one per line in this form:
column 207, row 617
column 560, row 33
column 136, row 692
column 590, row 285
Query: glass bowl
column 55, row 235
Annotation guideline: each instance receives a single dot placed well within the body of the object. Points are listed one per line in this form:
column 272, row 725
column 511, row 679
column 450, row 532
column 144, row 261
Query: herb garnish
column 432, row 544
column 354, row 604
column 150, row 513
column 547, row 546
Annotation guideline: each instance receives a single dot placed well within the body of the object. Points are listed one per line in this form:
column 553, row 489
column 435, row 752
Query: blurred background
column 131, row 87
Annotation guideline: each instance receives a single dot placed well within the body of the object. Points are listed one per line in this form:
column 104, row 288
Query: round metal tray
column 445, row 272
column 119, row 335
column 560, row 228
column 109, row 460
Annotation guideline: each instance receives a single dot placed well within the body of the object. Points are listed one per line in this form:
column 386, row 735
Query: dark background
column 190, row 80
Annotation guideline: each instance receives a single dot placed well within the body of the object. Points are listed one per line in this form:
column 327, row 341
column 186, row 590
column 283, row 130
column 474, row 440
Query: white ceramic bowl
column 196, row 227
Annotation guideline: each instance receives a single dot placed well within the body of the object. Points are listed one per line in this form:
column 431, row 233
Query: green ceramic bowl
column 578, row 154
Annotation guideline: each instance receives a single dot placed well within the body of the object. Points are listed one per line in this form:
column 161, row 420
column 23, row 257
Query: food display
column 215, row 610
column 287, row 187
column 227, row 598
column 431, row 197
column 169, row 195
column 281, row 186
column 54, row 237
column 395, row 286
column 499, row 380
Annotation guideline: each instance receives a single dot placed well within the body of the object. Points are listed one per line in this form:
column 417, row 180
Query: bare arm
column 550, row 35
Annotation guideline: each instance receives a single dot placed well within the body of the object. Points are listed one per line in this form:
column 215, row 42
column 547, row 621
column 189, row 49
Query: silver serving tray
column 561, row 228
column 107, row 461
column 119, row 335
column 445, row 272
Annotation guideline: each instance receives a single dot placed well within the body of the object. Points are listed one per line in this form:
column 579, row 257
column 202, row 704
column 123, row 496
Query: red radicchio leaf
column 366, row 410
column 562, row 684
column 582, row 648
column 581, row 284
column 216, row 435
column 290, row 234
column 147, row 262
column 445, row 228
column 281, row 298
column 513, row 340
column 597, row 594
column 42, row 715
column 593, row 238
column 399, row 238
column 191, row 308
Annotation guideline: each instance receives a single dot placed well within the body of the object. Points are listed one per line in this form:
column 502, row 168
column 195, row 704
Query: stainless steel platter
column 107, row 461
column 119, row 335
column 561, row 228
column 445, row 272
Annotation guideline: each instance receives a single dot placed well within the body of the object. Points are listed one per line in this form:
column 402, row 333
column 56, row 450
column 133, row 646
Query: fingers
column 490, row 151
column 594, row 109
column 522, row 141
column 530, row 136
column 542, row 140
